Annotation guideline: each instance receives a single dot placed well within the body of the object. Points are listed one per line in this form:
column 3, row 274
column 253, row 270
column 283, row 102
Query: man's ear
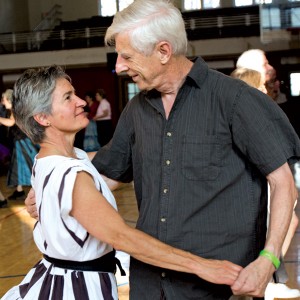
column 42, row 119
column 165, row 51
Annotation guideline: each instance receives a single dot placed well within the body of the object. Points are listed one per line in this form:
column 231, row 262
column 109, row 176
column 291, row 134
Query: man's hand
column 30, row 204
column 253, row 279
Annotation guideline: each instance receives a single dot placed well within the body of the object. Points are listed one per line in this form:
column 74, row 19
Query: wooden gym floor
column 18, row 252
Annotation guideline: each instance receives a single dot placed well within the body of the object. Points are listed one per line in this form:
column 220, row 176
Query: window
column 198, row 4
column 211, row 3
column 270, row 17
column 243, row 2
column 192, row 4
column 295, row 16
column 110, row 7
column 251, row 2
column 202, row 4
column 132, row 89
column 295, row 86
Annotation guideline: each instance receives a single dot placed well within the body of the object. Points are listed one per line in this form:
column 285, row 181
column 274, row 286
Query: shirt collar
column 199, row 71
column 197, row 74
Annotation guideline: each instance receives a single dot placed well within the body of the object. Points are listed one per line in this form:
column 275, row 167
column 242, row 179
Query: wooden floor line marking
column 12, row 214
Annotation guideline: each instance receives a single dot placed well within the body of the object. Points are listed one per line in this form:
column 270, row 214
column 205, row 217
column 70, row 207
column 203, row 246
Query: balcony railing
column 208, row 24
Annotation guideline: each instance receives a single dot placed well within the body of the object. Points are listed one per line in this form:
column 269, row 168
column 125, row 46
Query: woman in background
column 22, row 149
column 103, row 118
column 251, row 77
column 90, row 142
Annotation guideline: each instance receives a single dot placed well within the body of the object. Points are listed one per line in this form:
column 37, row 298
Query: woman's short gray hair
column 32, row 95
column 148, row 22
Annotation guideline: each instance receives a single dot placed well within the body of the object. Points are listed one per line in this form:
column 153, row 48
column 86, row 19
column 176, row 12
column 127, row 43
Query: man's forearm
column 283, row 195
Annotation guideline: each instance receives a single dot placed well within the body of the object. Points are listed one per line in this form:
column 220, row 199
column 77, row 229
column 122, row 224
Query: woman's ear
column 42, row 119
column 165, row 51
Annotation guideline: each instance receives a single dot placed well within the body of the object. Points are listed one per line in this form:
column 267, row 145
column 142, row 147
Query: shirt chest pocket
column 201, row 157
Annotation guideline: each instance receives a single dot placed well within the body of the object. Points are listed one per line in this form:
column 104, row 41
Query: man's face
column 145, row 71
column 272, row 84
column 266, row 67
column 261, row 64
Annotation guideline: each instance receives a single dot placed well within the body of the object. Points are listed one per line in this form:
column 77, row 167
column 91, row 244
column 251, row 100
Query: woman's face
column 68, row 113
column 98, row 97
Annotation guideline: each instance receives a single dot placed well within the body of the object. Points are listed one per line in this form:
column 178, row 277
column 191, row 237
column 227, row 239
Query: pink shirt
column 104, row 106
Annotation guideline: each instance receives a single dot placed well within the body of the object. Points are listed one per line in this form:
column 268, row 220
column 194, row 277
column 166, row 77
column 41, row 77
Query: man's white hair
column 252, row 59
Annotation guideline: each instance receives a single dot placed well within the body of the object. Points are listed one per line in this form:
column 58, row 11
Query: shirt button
column 165, row 191
column 168, row 162
column 163, row 219
column 163, row 274
column 169, row 134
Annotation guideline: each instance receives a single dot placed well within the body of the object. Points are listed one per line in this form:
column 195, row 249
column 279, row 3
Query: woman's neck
column 55, row 148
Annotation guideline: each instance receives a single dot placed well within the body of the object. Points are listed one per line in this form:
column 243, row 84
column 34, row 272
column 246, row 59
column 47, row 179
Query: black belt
column 106, row 263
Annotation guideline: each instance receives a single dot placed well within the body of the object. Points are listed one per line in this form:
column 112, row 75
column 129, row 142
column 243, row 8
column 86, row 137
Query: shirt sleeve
column 262, row 131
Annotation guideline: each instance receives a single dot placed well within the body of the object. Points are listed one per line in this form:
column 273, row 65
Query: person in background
column 3, row 129
column 4, row 136
column 79, row 226
column 2, row 110
column 4, row 152
column 198, row 145
column 103, row 118
column 273, row 87
column 90, row 142
column 4, row 158
column 278, row 289
column 255, row 59
column 251, row 77
column 22, row 149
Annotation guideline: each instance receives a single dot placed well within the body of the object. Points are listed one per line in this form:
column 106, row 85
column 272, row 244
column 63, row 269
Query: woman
column 251, row 77
column 79, row 227
column 90, row 142
column 23, row 152
column 103, row 118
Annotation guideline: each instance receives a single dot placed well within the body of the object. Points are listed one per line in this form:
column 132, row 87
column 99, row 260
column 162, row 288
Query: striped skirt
column 44, row 281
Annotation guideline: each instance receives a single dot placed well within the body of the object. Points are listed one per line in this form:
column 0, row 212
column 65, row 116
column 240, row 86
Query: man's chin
column 141, row 87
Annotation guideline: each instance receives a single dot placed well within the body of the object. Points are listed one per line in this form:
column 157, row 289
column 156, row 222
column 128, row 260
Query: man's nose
column 121, row 65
